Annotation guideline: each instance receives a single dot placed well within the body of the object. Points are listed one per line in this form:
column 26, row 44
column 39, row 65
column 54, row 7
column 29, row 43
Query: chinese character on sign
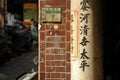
column 84, row 17
column 83, row 55
column 84, row 5
column 84, row 41
column 83, row 65
column 84, row 30
column 84, row 27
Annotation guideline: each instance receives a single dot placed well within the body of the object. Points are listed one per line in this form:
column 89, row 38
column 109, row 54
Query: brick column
column 54, row 43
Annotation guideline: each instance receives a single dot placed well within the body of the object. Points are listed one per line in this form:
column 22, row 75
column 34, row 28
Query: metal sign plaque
column 51, row 14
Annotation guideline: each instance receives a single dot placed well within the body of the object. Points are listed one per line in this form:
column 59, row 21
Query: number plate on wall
column 51, row 14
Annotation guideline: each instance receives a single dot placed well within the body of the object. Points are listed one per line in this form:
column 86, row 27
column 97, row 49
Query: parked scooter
column 19, row 37
column 32, row 75
column 3, row 51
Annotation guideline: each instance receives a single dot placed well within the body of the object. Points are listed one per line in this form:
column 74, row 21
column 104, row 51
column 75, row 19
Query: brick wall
column 55, row 44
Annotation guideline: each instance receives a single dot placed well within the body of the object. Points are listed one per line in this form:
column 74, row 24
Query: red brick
column 49, row 27
column 55, row 39
column 62, row 45
column 68, row 26
column 42, row 56
column 63, row 63
column 55, row 79
column 57, row 63
column 50, row 33
column 64, row 15
column 50, row 45
column 42, row 3
column 42, row 66
column 62, row 39
column 60, row 33
column 47, row 75
column 50, row 2
column 50, row 69
column 63, row 8
column 48, row 52
column 49, row 57
column 59, row 57
column 68, row 68
column 63, row 75
column 42, row 76
column 42, row 36
column 67, row 36
column 68, row 16
column 42, row 46
column 53, row 63
column 55, row 75
column 68, row 4
column 56, row 2
column 58, row 51
column 48, row 63
column 63, row 20
column 42, row 27
column 60, row 69
column 68, row 77
column 68, row 47
column 67, row 57
column 61, row 27
column 48, row 39
column 55, row 45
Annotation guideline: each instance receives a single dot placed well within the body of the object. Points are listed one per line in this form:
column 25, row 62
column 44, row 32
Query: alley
column 19, row 64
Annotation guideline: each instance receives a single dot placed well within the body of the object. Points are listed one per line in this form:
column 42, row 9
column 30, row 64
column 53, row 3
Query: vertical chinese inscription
column 84, row 29
column 74, row 32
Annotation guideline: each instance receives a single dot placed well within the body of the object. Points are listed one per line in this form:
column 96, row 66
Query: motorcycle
column 19, row 37
column 3, row 51
column 32, row 75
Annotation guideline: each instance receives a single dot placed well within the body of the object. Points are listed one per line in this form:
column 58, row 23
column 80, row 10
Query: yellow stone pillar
column 86, row 40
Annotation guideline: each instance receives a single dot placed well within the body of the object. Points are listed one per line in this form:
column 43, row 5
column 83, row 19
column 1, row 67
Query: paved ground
column 19, row 64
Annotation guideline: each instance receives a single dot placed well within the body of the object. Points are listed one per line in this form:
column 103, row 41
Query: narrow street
column 19, row 64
